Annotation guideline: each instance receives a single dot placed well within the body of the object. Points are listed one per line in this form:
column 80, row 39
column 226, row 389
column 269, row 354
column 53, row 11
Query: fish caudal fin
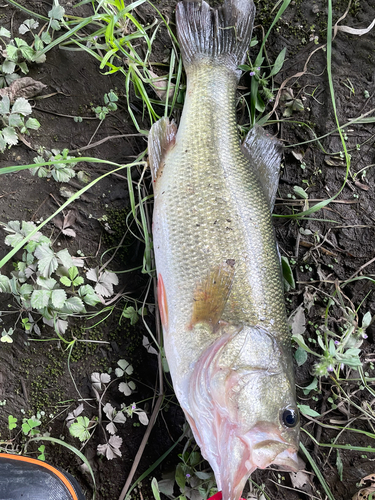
column 221, row 35
column 264, row 154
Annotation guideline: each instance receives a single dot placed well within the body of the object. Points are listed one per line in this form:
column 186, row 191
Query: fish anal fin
column 161, row 139
column 264, row 153
column 212, row 293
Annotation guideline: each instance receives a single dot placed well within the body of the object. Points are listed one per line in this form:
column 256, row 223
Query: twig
column 361, row 268
column 94, row 144
column 141, row 447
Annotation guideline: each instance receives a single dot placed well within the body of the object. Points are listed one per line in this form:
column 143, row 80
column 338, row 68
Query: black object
column 24, row 478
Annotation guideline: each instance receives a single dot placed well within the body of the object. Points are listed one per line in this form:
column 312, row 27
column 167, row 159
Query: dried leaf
column 147, row 344
column 22, row 87
column 64, row 223
column 160, row 85
column 301, row 481
column 356, row 31
column 297, row 321
column 364, row 494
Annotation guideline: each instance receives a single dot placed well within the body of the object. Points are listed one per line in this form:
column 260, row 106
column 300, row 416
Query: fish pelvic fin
column 222, row 35
column 161, row 139
column 264, row 154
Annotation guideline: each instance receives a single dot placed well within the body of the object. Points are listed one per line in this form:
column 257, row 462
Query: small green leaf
column 73, row 305
column 32, row 123
column 47, row 260
column 8, row 67
column 10, row 136
column 42, row 455
column 65, row 258
column 4, row 284
column 4, row 105
column 339, row 465
column 46, row 37
column 40, row 298
column 287, row 272
column 55, row 25
column 15, row 120
column 58, row 298
column 306, row 410
column 65, row 281
column 87, row 293
column 366, row 320
column 5, row 32
column 132, row 314
column 300, row 356
column 310, row 387
column 57, row 12
column 73, row 272
column 278, row 63
column 79, row 429
column 30, row 425
column 22, row 106
column 12, row 422
column 180, row 477
column 26, row 290
column 300, row 192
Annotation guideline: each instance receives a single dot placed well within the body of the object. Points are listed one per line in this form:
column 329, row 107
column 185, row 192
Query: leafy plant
column 82, row 427
column 13, row 121
column 110, row 100
column 192, row 476
column 60, row 171
column 34, row 287
column 338, row 348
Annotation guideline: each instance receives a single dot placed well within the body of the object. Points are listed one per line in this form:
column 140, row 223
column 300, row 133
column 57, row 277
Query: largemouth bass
column 220, row 292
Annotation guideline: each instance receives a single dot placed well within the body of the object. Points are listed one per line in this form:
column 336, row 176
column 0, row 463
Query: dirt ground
column 334, row 245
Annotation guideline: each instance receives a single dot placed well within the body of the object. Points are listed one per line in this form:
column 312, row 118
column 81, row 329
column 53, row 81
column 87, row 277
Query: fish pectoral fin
column 264, row 153
column 212, row 293
column 161, row 139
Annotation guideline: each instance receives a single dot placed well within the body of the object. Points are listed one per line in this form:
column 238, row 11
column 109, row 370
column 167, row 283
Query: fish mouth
column 262, row 446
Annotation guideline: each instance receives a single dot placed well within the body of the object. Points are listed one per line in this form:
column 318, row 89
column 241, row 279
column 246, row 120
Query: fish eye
column 290, row 417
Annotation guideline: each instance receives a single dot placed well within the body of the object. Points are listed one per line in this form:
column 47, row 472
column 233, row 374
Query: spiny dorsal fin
column 212, row 294
column 264, row 153
column 161, row 139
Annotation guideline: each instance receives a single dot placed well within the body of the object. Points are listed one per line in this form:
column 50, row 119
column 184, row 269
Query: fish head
column 243, row 404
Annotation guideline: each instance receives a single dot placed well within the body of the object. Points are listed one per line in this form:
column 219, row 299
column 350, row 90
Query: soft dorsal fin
column 264, row 153
column 161, row 139
column 211, row 294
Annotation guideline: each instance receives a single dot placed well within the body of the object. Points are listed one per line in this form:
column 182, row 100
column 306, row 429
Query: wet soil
column 335, row 244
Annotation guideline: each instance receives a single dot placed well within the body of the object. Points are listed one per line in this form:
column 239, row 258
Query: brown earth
column 34, row 376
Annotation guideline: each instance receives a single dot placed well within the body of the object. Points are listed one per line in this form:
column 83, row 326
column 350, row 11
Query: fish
column 220, row 291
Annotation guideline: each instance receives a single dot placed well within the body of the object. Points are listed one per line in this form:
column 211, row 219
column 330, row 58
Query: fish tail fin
column 222, row 35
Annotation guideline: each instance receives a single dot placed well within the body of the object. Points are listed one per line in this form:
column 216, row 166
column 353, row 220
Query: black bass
column 220, row 292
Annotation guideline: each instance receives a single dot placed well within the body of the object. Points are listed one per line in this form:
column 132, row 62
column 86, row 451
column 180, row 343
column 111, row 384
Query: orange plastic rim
column 55, row 471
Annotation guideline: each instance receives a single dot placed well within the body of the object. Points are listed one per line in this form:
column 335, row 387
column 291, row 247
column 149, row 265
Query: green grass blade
column 29, row 12
column 317, row 472
column 75, row 451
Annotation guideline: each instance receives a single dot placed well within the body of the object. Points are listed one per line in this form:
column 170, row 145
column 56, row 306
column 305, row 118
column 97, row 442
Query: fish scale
column 208, row 182
column 220, row 292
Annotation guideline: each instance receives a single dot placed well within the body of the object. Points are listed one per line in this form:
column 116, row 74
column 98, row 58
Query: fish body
column 219, row 281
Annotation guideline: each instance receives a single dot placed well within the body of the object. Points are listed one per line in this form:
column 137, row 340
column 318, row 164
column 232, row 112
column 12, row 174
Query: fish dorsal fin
column 264, row 153
column 161, row 139
column 211, row 294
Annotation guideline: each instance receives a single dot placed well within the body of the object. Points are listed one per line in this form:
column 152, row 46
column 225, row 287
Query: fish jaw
column 238, row 455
